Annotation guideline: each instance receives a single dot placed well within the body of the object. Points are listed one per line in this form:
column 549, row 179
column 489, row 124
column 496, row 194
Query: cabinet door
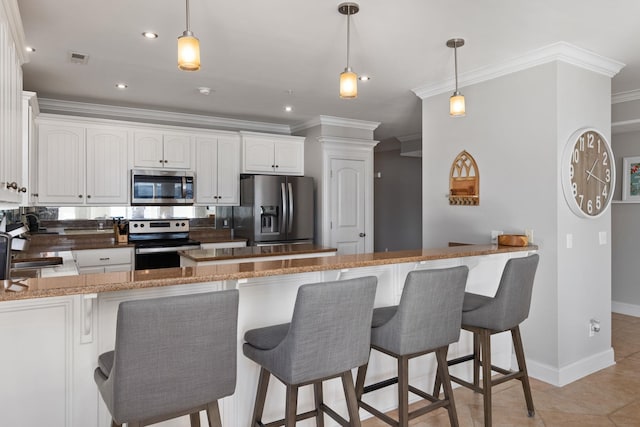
column 147, row 150
column 206, row 171
column 61, row 164
column 258, row 155
column 289, row 157
column 228, row 171
column 177, row 152
column 107, row 171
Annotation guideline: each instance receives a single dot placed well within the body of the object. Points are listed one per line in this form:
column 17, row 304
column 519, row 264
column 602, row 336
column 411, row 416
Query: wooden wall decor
column 464, row 181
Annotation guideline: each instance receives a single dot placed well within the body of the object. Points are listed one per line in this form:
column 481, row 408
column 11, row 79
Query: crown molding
column 560, row 51
column 631, row 95
column 625, row 126
column 335, row 121
column 409, row 138
column 14, row 21
column 57, row 106
column 340, row 142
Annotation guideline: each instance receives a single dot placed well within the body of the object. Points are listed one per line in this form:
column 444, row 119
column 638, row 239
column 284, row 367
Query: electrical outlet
column 594, row 327
column 529, row 233
column 494, row 235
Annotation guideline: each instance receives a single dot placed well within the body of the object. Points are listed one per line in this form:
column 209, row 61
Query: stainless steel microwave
column 162, row 187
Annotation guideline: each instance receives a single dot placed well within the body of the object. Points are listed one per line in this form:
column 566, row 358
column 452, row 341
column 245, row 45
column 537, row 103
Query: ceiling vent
column 78, row 58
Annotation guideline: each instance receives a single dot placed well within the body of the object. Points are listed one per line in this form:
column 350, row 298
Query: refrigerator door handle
column 285, row 212
column 290, row 226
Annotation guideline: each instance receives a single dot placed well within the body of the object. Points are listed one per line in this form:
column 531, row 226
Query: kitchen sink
column 53, row 261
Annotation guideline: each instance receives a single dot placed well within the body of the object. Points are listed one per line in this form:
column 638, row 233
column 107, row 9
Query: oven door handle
column 142, row 251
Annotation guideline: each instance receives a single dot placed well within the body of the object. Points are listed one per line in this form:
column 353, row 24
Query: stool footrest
column 300, row 417
column 460, row 359
column 381, row 415
column 381, row 384
column 333, row 414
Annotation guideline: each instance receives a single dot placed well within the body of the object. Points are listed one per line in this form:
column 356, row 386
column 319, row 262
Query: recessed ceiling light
column 149, row 35
column 30, row 49
column 204, row 90
column 121, row 85
column 288, row 108
column 364, row 78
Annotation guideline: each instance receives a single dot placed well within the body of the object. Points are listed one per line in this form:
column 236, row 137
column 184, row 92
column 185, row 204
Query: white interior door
column 347, row 206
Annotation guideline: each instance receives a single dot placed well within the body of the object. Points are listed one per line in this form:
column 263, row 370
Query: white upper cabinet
column 61, row 164
column 12, row 186
column 272, row 154
column 162, row 150
column 218, row 170
column 82, row 165
column 107, row 170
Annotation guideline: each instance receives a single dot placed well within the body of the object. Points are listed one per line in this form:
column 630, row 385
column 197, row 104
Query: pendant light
column 188, row 49
column 348, row 79
column 456, row 102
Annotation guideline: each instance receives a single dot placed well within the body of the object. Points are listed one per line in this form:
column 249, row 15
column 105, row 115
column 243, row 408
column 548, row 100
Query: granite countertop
column 119, row 281
column 202, row 255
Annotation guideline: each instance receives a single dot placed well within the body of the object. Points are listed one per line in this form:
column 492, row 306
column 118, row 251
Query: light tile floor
column 609, row 397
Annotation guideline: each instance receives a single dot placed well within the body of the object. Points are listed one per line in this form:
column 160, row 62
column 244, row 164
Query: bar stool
column 485, row 316
column 426, row 320
column 327, row 337
column 173, row 356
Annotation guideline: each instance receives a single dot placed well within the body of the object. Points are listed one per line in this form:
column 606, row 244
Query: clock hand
column 589, row 172
column 594, row 177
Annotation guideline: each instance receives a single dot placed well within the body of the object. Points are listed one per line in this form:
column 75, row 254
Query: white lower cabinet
column 47, row 364
column 104, row 260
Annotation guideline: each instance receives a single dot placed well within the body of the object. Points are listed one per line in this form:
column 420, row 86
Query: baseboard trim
column 624, row 308
column 570, row 373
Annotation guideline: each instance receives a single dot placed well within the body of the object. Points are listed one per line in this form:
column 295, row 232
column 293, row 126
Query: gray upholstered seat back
column 512, row 301
column 329, row 330
column 429, row 314
column 172, row 354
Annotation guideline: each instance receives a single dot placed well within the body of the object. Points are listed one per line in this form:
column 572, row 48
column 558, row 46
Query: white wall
column 625, row 286
column 516, row 129
column 397, row 201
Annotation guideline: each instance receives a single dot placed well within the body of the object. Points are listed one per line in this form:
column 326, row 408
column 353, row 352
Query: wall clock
column 588, row 173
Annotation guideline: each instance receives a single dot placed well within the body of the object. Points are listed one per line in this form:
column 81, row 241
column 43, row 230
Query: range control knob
column 141, row 225
column 183, row 224
column 177, row 224
column 135, row 225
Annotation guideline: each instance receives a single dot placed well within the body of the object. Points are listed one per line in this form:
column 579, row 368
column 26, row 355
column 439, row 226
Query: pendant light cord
column 348, row 34
column 188, row 16
column 455, row 61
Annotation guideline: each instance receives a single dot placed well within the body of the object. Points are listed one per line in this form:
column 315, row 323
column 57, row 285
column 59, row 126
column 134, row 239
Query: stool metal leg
column 522, row 367
column 443, row 373
column 194, row 419
column 317, row 394
column 362, row 373
column 485, row 344
column 352, row 401
column 291, row 406
column 261, row 395
column 476, row 360
column 213, row 414
column 403, row 391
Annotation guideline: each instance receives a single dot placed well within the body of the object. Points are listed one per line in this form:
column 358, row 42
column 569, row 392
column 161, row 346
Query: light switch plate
column 602, row 237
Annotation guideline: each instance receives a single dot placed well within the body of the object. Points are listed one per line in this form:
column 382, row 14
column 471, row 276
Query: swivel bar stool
column 426, row 320
column 328, row 336
column 485, row 316
column 173, row 356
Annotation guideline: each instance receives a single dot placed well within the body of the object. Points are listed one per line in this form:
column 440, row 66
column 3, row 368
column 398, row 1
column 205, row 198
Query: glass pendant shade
column 456, row 105
column 188, row 52
column 348, row 84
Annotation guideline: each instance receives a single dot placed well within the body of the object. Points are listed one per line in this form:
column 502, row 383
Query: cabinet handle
column 13, row 185
column 166, row 161
column 277, row 166
column 22, row 190
column 160, row 161
column 88, row 196
column 80, row 196
column 361, row 234
column 104, row 259
column 273, row 166
column 35, row 194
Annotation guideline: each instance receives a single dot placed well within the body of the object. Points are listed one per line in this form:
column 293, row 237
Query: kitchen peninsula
column 55, row 328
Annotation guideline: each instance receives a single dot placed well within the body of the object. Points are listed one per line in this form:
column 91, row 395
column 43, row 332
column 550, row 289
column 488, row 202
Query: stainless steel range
column 157, row 242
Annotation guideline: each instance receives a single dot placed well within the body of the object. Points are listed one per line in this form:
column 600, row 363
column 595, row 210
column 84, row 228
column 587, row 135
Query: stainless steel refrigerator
column 275, row 209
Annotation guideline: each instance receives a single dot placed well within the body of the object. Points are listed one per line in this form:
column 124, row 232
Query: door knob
column 361, row 234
